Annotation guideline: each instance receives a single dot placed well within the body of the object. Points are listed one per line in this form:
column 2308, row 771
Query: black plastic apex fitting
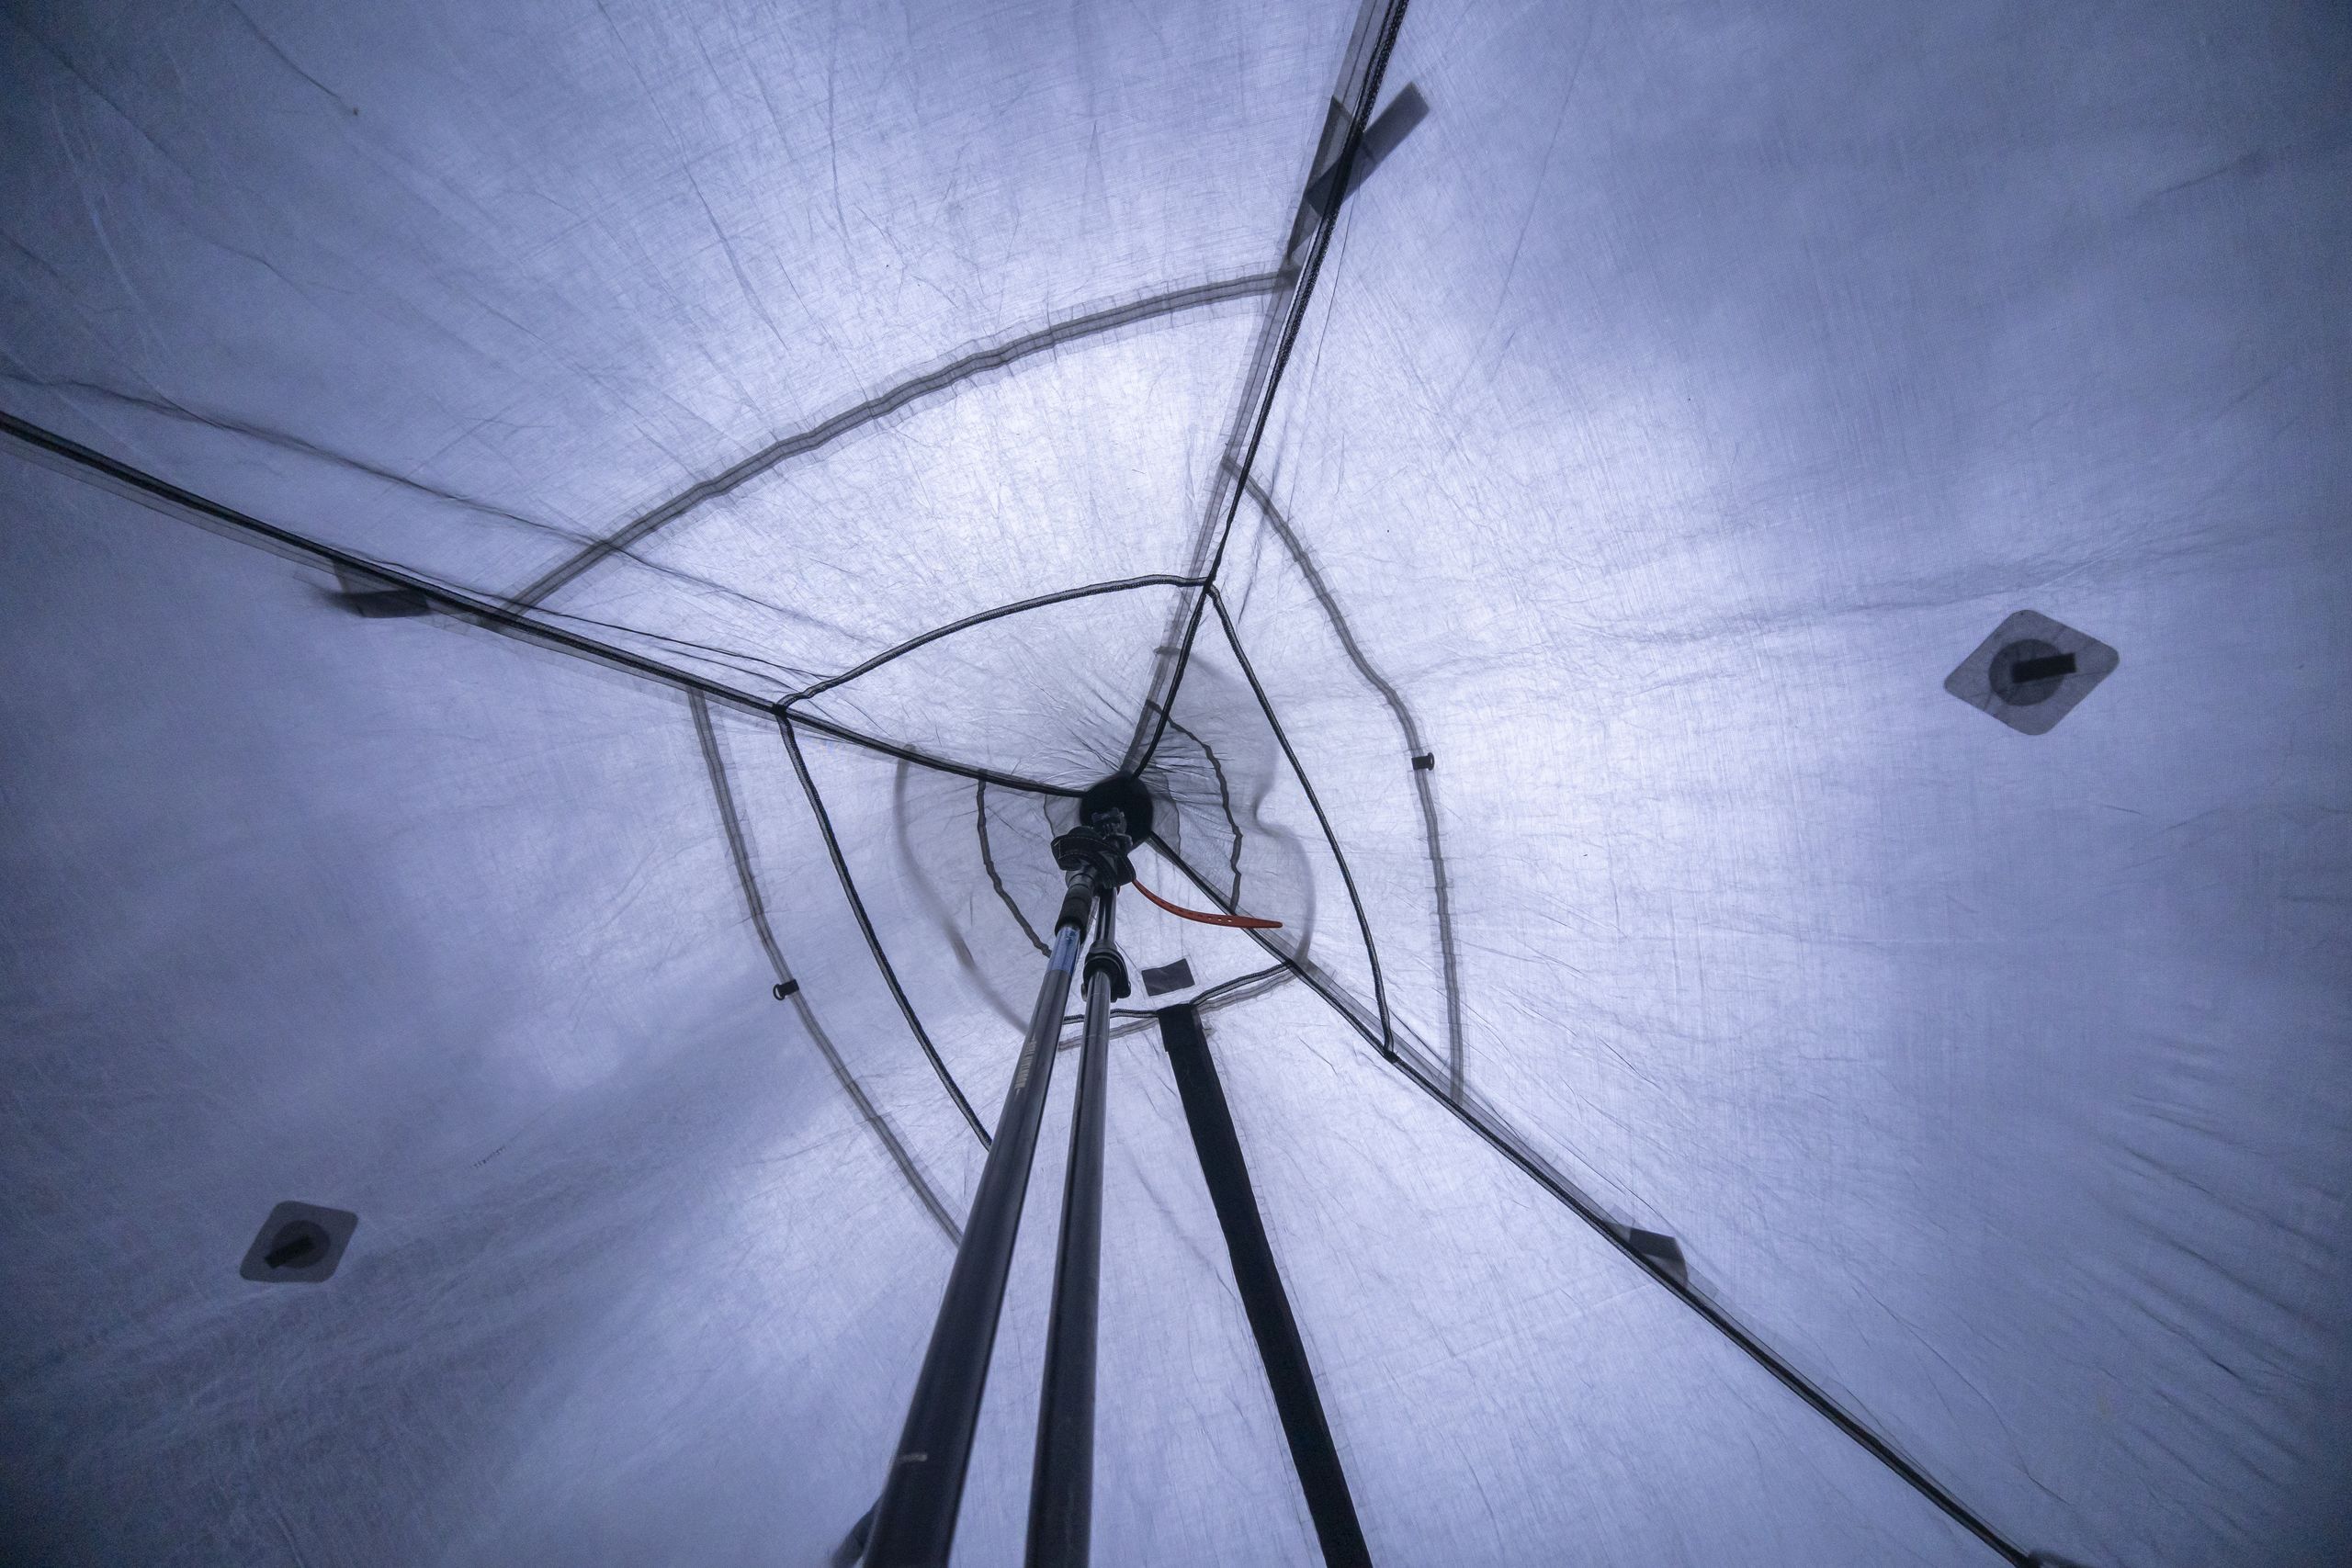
column 1125, row 794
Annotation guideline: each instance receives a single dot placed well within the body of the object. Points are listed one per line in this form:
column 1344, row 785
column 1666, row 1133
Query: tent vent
column 365, row 593
column 2032, row 671
column 1424, row 762
column 1663, row 1251
column 299, row 1244
column 786, row 988
column 1167, row 978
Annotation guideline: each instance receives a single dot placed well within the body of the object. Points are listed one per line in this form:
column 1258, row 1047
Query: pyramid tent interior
column 563, row 565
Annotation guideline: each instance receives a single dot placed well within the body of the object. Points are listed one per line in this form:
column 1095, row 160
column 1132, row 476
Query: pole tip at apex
column 1123, row 793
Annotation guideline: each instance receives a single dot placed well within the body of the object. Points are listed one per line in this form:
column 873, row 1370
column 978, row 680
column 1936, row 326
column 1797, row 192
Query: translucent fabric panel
column 466, row 289
column 1679, row 401
column 1504, row 1386
column 1689, row 394
column 426, row 924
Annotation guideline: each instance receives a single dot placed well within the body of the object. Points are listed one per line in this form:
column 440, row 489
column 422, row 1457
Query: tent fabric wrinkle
column 564, row 567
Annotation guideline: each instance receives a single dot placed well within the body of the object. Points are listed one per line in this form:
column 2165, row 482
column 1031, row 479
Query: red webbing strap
column 1207, row 917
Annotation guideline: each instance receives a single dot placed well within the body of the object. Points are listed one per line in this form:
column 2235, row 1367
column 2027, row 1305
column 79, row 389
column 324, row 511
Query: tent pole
column 1292, row 1380
column 1061, row 1489
column 914, row 1523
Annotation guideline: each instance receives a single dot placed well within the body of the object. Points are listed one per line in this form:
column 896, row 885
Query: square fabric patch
column 2032, row 671
column 1176, row 976
column 299, row 1244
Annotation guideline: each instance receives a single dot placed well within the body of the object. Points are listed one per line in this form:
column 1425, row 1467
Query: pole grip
column 1077, row 903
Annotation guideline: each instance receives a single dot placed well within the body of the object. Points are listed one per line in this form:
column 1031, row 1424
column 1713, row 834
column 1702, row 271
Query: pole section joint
column 1102, row 955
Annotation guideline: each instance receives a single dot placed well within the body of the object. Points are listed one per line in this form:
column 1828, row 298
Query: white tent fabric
column 1521, row 541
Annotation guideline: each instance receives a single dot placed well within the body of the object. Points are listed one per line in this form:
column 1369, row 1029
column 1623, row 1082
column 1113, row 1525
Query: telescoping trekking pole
column 1061, row 1486
column 914, row 1523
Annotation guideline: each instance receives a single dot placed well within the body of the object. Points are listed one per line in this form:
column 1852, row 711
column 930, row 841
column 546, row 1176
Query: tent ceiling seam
column 1340, row 170
column 982, row 617
column 912, row 390
column 747, row 879
column 1315, row 803
column 93, row 467
column 866, row 925
column 922, row 759
column 785, row 706
column 1506, row 1143
column 1416, row 746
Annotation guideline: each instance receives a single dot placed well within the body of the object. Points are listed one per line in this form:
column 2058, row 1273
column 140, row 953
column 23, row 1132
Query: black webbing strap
column 1293, row 1381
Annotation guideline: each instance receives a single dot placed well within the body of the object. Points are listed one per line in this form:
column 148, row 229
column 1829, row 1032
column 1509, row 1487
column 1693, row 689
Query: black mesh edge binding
column 866, row 926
